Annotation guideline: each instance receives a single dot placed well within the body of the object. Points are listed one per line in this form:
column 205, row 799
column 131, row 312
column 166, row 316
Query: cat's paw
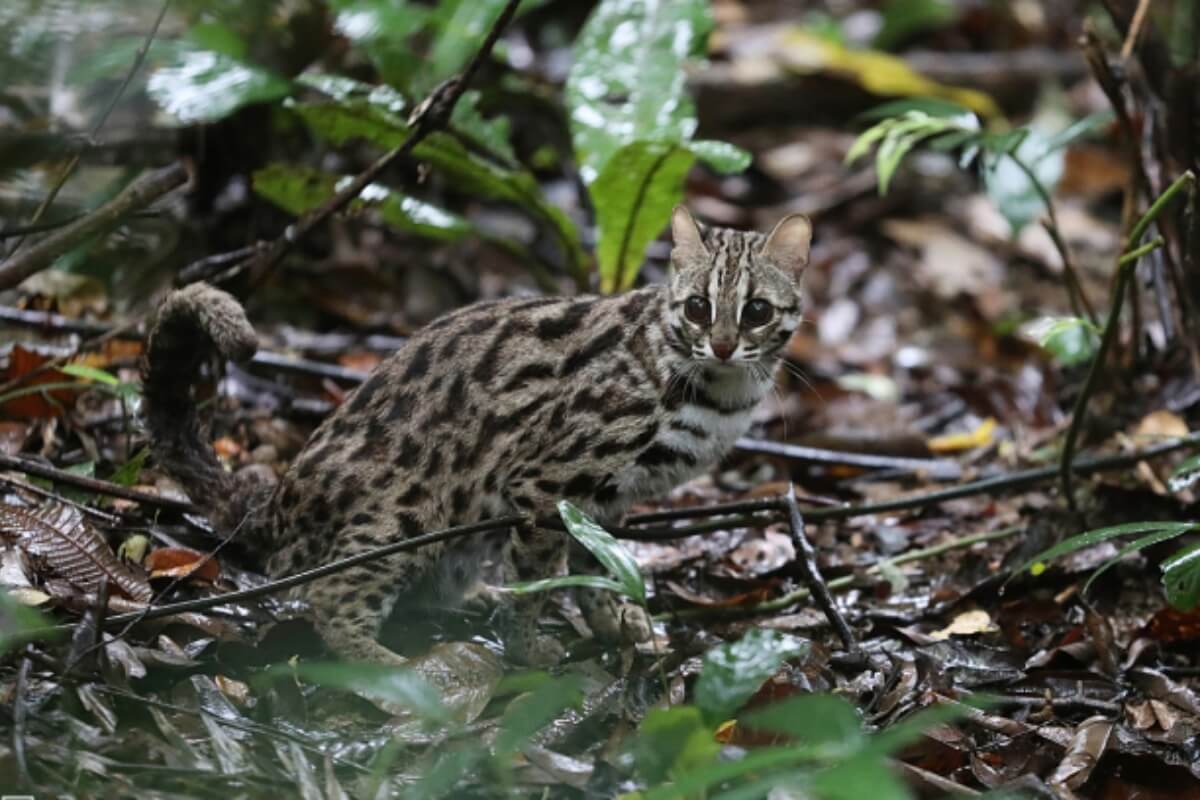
column 616, row 619
column 535, row 651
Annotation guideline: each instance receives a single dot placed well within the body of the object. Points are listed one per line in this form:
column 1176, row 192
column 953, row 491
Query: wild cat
column 497, row 408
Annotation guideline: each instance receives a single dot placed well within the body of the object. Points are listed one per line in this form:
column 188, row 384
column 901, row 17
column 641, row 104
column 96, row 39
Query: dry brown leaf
column 50, row 403
column 180, row 562
column 58, row 536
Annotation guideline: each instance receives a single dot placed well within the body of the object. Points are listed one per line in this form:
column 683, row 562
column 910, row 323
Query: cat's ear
column 685, row 233
column 788, row 245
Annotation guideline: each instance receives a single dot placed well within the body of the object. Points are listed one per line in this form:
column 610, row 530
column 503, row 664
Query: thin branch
column 1135, row 29
column 806, row 559
column 138, row 58
column 842, row 582
column 31, row 467
column 1127, row 264
column 20, row 714
column 941, row 469
column 430, row 116
column 139, row 193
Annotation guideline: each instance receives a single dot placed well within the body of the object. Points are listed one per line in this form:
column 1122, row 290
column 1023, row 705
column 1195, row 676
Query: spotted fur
column 496, row 408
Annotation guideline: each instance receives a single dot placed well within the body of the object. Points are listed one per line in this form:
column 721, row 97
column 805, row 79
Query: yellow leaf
column 955, row 442
column 878, row 73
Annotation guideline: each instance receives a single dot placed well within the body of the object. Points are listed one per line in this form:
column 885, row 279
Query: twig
column 806, row 559
column 940, row 469
column 430, row 116
column 20, row 714
column 138, row 194
column 138, row 58
column 1135, row 29
column 103, row 516
column 31, row 467
column 1078, row 297
column 203, row 269
column 843, row 581
column 1125, row 269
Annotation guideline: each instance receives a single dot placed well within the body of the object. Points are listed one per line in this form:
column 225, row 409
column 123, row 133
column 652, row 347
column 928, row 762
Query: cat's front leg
column 536, row 553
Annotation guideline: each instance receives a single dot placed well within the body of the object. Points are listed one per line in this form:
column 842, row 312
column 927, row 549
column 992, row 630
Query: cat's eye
column 756, row 313
column 697, row 310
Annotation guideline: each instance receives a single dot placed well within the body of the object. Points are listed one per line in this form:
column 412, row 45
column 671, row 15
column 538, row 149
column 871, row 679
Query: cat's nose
column 723, row 350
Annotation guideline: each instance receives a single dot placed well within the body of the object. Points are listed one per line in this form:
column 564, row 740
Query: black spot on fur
column 581, row 357
column 409, row 523
column 566, row 323
column 362, row 518
column 580, row 486
column 418, row 365
column 364, row 393
column 657, row 455
column 526, row 374
column 548, row 487
column 407, row 455
column 412, row 496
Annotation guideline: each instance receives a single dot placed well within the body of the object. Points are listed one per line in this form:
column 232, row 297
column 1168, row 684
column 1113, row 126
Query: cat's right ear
column 685, row 233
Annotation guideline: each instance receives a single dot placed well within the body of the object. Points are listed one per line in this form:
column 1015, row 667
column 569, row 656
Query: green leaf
column 607, row 550
column 90, row 374
column 699, row 776
column 1037, row 564
column 1181, row 577
column 903, row 19
column 566, row 582
column 128, row 473
column 345, row 121
column 1070, row 340
column 673, row 741
column 1132, row 547
column 734, row 671
column 490, row 134
column 452, row 765
column 723, row 157
column 1008, row 185
column 18, row 623
column 531, row 712
column 297, row 189
column 394, row 685
column 866, row 775
column 628, row 80
column 827, row 722
column 1185, row 474
column 382, row 29
column 633, row 198
column 204, row 85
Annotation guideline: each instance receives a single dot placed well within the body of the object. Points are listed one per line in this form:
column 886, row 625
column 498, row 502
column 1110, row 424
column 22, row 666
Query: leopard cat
column 498, row 408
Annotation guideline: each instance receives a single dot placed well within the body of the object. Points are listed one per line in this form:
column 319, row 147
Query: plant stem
column 1126, row 266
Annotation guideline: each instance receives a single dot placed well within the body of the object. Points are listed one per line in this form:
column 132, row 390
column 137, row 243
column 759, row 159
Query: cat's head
column 735, row 295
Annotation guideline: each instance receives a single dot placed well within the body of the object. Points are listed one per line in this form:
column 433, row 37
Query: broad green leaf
column 566, row 582
column 1181, row 578
column 531, row 712
column 490, row 134
column 607, row 550
column 1132, row 547
column 129, row 472
column 825, row 721
column 628, row 82
column 394, row 685
column 895, row 738
column 219, row 38
column 452, row 765
column 1070, row 340
column 734, row 671
column 865, row 775
column 458, row 28
column 1185, row 474
column 672, row 742
column 698, row 777
column 723, row 157
column 382, row 30
column 90, row 374
column 1008, row 185
column 297, row 189
column 341, row 122
column 905, row 18
column 633, row 198
column 17, row 622
column 204, row 85
column 1037, row 564
column 344, row 89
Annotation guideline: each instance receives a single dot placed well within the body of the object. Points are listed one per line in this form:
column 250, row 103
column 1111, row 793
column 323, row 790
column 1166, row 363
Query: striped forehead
column 731, row 268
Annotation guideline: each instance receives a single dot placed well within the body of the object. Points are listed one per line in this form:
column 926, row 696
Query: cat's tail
column 191, row 325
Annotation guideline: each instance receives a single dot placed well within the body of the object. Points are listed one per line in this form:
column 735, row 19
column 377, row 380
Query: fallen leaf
column 1161, row 425
column 23, row 401
column 180, row 562
column 956, row 442
column 968, row 623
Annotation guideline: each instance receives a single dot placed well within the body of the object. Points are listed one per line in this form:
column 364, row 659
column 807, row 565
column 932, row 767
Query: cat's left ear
column 788, row 244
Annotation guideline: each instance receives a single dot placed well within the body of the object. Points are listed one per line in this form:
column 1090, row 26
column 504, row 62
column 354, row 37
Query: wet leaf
column 1133, row 547
column 180, row 562
column 129, row 472
column 381, row 29
column 202, row 84
column 298, row 189
column 607, row 550
column 566, row 582
column 1070, row 340
column 397, row 686
column 1037, row 564
column 45, row 395
column 17, row 622
column 1186, row 474
column 58, row 535
column 532, row 711
column 1181, row 577
column 734, row 671
column 866, row 775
